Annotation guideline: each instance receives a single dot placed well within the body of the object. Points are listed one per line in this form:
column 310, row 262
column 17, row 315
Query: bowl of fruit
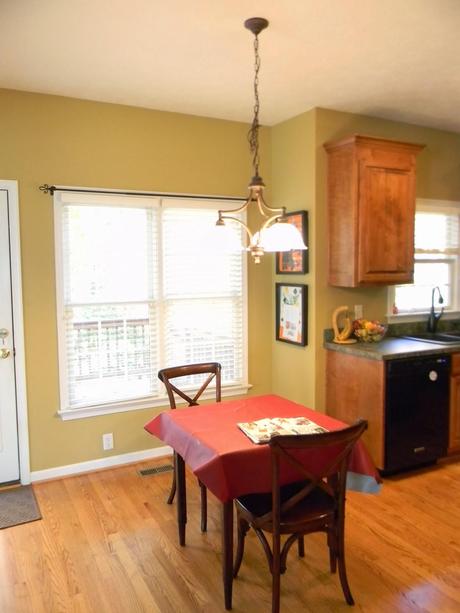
column 369, row 331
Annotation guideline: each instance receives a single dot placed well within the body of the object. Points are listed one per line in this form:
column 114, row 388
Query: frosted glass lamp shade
column 281, row 237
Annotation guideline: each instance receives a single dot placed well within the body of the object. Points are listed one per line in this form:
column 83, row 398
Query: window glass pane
column 196, row 261
column 109, row 253
column 436, row 231
column 437, row 250
column 427, row 275
column 111, row 354
column 198, row 332
column 203, row 291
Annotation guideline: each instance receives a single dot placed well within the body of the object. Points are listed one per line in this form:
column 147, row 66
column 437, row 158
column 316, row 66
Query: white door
column 9, row 444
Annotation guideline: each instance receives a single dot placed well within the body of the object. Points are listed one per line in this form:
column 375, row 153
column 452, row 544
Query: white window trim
column 95, row 410
column 144, row 403
column 419, row 316
column 415, row 316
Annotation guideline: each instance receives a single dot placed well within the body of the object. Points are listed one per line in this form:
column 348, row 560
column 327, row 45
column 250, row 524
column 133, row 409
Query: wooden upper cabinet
column 371, row 211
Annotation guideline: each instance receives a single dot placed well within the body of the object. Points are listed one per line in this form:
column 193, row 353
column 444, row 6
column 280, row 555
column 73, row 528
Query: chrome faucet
column 433, row 317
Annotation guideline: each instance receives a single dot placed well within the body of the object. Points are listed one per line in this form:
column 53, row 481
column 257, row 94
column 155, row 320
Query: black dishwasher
column 416, row 411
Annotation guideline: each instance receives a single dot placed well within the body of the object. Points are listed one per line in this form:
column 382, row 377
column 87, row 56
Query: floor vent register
column 164, row 468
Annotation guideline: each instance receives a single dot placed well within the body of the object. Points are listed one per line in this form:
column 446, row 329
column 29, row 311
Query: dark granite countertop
column 391, row 348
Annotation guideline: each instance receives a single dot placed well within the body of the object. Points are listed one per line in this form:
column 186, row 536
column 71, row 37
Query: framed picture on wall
column 291, row 313
column 295, row 262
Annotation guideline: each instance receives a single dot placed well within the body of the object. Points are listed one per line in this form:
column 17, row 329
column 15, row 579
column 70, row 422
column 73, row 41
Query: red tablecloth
column 224, row 458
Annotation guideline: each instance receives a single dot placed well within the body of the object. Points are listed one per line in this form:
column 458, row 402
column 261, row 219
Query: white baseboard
column 99, row 464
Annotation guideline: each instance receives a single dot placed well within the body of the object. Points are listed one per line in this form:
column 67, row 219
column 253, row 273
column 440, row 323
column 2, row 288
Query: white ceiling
column 397, row 59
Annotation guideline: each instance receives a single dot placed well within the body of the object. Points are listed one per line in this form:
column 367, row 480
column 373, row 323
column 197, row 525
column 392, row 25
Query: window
column 437, row 250
column 143, row 283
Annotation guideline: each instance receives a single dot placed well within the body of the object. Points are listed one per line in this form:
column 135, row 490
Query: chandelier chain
column 275, row 234
column 253, row 134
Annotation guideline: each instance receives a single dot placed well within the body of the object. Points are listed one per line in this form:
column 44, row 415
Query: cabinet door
column 355, row 389
column 386, row 217
column 454, row 425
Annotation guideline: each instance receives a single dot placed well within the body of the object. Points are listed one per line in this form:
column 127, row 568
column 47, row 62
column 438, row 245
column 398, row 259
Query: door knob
column 4, row 353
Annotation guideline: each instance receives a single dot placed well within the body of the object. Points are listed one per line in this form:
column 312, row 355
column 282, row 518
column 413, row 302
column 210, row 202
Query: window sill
column 142, row 403
column 414, row 317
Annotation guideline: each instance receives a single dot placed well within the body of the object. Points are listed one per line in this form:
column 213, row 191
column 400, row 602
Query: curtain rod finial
column 45, row 188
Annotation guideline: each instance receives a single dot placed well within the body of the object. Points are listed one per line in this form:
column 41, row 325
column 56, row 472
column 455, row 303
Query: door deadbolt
column 4, row 353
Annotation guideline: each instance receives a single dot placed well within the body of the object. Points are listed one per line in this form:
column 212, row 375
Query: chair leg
column 243, row 528
column 342, row 569
column 204, row 507
column 301, row 547
column 276, row 575
column 331, row 543
column 332, row 561
column 276, row 592
column 172, row 493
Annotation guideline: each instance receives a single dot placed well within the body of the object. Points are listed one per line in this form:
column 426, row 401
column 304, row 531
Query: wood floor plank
column 108, row 543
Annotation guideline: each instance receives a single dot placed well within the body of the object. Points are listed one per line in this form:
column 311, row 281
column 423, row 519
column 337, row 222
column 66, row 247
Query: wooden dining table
column 208, row 439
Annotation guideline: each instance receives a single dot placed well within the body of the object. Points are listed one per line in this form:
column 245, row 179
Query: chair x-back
column 166, row 375
column 315, row 503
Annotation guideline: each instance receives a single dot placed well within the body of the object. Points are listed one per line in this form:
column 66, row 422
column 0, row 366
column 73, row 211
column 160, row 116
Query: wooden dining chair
column 316, row 503
column 166, row 375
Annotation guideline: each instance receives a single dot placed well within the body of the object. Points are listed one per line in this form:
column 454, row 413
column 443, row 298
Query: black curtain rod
column 50, row 189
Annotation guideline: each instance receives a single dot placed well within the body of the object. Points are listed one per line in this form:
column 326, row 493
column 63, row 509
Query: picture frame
column 292, row 313
column 295, row 262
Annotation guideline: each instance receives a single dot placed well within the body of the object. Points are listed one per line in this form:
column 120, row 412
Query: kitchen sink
column 441, row 338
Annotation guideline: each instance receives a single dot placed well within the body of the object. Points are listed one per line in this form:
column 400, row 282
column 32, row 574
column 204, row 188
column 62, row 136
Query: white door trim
column 18, row 326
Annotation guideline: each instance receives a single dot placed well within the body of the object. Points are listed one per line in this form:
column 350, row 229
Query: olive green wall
column 50, row 139
column 63, row 141
column 299, row 181
column 293, row 186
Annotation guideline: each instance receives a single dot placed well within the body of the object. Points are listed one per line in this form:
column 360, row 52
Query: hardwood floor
column 108, row 543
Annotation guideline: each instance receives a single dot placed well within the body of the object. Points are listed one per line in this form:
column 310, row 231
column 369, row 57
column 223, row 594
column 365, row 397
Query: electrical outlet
column 358, row 311
column 107, row 441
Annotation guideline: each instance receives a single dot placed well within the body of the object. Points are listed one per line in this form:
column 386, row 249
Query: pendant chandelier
column 275, row 233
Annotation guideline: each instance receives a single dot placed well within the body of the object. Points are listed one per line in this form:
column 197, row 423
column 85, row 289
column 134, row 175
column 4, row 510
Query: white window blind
column 203, row 299
column 142, row 283
column 437, row 231
column 437, row 250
